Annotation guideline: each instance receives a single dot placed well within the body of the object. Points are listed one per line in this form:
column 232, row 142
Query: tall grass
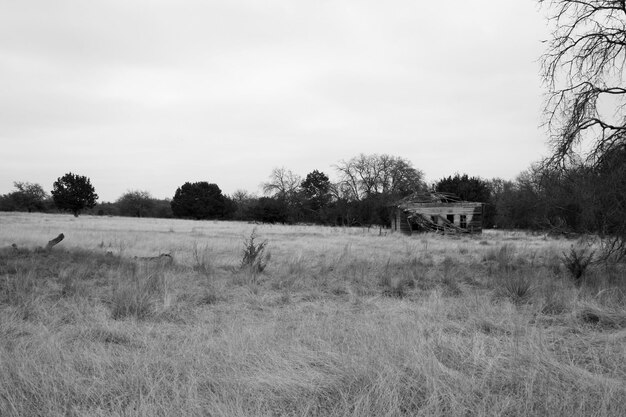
column 341, row 322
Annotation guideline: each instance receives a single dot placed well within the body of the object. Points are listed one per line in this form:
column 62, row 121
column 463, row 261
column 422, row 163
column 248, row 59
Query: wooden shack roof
column 433, row 199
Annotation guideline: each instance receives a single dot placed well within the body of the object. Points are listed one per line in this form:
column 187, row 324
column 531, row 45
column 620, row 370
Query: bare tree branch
column 583, row 68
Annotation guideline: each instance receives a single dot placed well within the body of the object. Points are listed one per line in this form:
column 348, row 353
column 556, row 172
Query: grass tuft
column 202, row 258
column 555, row 299
column 134, row 295
column 517, row 288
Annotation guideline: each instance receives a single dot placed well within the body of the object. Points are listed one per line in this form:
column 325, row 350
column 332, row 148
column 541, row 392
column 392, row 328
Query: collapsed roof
column 437, row 212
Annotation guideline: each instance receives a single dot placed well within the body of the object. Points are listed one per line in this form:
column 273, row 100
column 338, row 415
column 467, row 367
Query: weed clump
column 202, row 260
column 555, row 300
column 136, row 295
column 396, row 288
column 392, row 283
column 131, row 300
column 254, row 257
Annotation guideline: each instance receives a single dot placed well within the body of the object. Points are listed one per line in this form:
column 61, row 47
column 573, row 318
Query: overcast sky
column 146, row 95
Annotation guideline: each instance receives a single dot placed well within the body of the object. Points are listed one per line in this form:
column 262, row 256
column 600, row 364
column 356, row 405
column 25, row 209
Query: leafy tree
column 106, row 209
column 6, row 203
column 136, row 204
column 27, row 197
column 609, row 195
column 316, row 190
column 502, row 192
column 199, row 200
column 316, row 186
column 465, row 187
column 73, row 193
column 230, row 208
column 470, row 189
column 270, row 210
column 162, row 208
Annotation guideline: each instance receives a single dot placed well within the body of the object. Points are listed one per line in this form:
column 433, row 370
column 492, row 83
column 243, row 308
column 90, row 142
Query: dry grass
column 340, row 322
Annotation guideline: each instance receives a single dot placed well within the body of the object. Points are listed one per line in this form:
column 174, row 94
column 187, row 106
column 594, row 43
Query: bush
column 577, row 262
column 253, row 257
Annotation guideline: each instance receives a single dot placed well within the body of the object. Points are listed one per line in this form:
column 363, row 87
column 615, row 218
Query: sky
column 150, row 94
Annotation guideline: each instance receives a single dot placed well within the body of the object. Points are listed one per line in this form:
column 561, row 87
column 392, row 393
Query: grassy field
column 331, row 322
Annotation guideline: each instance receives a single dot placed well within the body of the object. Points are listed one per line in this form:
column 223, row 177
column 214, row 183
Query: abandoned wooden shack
column 436, row 212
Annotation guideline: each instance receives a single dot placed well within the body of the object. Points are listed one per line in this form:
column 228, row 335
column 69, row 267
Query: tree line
column 575, row 199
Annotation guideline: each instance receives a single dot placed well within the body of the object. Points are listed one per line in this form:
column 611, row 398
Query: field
column 326, row 321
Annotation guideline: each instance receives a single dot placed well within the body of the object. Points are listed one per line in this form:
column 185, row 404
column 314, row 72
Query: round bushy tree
column 135, row 204
column 73, row 193
column 198, row 200
column 465, row 187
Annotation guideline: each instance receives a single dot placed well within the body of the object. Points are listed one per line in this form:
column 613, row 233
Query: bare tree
column 583, row 69
column 244, row 201
column 586, row 106
column 369, row 175
column 241, row 195
column 282, row 183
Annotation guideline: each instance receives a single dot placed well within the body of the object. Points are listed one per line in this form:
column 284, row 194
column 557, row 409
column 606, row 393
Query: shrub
column 577, row 262
column 254, row 257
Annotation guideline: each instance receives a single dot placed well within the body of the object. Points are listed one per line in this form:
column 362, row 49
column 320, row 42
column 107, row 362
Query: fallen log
column 39, row 249
column 54, row 241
